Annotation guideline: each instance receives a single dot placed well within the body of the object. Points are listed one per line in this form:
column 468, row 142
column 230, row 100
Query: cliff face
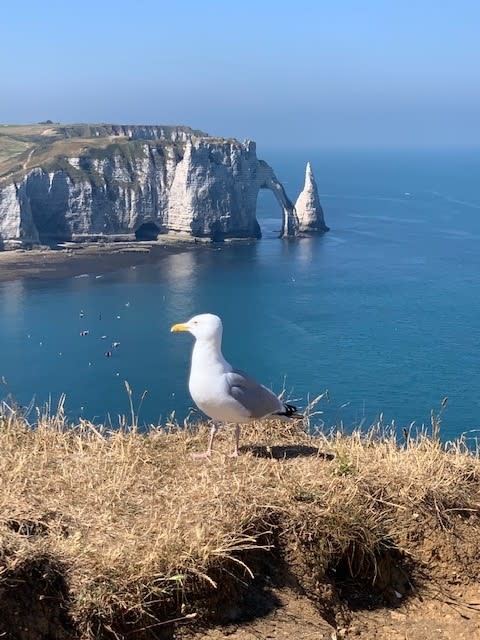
column 16, row 223
column 308, row 207
column 143, row 181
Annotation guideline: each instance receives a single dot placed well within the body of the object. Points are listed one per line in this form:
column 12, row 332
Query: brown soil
column 447, row 617
column 442, row 604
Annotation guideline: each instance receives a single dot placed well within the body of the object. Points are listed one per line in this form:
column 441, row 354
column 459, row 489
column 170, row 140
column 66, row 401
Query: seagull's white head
column 206, row 327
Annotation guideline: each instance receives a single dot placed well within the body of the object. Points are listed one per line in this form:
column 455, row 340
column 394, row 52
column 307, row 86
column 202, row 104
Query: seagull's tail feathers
column 290, row 411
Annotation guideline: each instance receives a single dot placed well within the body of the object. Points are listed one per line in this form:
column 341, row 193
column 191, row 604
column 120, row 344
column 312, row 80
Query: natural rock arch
column 268, row 180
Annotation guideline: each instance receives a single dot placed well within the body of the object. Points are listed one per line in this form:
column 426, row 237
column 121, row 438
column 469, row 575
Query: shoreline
column 74, row 260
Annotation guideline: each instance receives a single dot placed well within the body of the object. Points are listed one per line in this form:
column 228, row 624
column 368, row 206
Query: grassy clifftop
column 115, row 534
column 23, row 147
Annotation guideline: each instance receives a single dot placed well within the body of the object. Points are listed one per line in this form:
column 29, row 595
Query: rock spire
column 308, row 207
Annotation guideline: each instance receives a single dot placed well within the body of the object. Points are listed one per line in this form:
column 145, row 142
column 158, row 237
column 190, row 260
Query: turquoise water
column 384, row 310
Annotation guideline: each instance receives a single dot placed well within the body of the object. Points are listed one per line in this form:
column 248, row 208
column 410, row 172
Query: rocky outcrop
column 151, row 181
column 308, row 207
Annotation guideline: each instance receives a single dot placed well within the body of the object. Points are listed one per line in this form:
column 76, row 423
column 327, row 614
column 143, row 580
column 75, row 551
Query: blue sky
column 305, row 74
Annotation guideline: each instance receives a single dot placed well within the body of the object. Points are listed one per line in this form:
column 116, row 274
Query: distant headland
column 89, row 183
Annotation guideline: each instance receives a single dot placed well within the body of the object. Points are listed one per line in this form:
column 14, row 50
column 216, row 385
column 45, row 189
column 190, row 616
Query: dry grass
column 14, row 163
column 117, row 532
column 24, row 147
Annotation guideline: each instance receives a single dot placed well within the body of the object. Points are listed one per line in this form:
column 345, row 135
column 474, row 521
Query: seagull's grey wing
column 257, row 400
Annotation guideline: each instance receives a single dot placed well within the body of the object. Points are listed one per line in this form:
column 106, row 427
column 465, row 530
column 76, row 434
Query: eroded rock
column 167, row 180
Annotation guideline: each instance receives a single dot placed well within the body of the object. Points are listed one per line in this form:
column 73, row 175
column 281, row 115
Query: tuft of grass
column 122, row 532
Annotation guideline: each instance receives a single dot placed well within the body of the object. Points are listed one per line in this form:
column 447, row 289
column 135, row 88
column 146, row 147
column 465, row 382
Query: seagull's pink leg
column 234, row 453
column 208, row 452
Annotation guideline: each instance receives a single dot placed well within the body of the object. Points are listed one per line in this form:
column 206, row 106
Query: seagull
column 223, row 393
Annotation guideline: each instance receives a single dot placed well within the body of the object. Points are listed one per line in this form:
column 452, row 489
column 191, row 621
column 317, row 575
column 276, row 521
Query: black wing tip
column 290, row 410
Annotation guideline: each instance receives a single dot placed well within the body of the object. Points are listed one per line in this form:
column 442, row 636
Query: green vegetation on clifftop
column 48, row 146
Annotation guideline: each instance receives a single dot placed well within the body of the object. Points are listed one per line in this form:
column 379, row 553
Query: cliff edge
column 127, row 182
column 116, row 533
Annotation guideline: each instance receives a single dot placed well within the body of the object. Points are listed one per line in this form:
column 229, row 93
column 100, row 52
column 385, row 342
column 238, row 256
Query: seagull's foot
column 206, row 455
column 234, row 454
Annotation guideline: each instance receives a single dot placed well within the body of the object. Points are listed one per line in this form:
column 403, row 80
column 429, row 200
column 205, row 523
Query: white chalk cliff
column 308, row 207
column 143, row 182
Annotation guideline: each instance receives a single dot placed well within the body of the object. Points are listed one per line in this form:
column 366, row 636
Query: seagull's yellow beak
column 179, row 327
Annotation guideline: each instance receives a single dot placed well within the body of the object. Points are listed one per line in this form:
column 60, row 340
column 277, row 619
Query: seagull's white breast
column 209, row 388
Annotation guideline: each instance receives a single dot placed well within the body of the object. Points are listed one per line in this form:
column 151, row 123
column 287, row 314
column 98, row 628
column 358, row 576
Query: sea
column 383, row 311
